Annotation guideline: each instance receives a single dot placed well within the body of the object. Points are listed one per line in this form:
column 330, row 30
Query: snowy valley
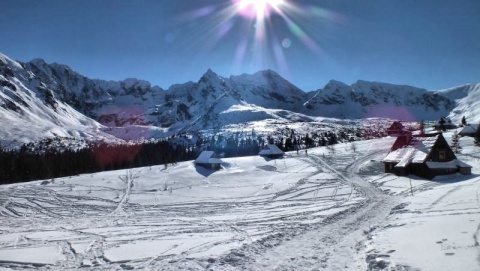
column 315, row 211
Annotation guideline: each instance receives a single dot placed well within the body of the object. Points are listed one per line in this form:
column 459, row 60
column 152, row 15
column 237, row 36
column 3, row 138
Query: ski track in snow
column 328, row 245
column 305, row 212
column 91, row 225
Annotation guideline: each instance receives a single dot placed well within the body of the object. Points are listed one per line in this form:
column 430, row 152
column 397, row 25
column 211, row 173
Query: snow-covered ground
column 436, row 225
column 330, row 210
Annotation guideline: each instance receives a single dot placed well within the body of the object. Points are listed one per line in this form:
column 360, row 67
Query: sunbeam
column 259, row 9
column 263, row 30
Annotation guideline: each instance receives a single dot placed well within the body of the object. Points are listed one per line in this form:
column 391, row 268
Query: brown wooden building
column 426, row 156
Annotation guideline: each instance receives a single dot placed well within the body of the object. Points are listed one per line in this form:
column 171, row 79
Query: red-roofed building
column 397, row 129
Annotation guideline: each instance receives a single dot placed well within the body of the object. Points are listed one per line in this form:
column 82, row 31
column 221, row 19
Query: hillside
column 30, row 111
column 467, row 99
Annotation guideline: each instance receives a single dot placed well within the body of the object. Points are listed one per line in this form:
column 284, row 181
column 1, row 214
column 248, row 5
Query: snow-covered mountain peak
column 134, row 82
column 212, row 80
column 215, row 101
column 460, row 91
column 269, row 74
column 467, row 99
column 209, row 75
column 334, row 84
column 260, row 78
column 8, row 65
column 362, row 84
column 5, row 59
column 38, row 62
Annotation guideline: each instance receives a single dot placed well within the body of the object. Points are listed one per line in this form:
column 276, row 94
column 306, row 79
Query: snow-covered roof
column 415, row 152
column 207, row 157
column 424, row 143
column 405, row 156
column 271, row 149
column 469, row 129
column 451, row 164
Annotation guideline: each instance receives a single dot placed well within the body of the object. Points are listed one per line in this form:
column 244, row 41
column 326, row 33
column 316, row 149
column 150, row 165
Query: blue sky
column 433, row 44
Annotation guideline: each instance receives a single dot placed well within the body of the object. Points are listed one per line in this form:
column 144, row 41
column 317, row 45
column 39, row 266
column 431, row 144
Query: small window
column 442, row 155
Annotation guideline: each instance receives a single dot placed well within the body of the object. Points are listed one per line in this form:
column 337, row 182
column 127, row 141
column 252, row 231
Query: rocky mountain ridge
column 212, row 101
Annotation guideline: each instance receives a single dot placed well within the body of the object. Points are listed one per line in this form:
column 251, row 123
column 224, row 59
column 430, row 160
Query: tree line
column 25, row 165
column 40, row 161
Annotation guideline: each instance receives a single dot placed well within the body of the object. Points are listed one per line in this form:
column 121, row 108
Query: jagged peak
column 361, row 83
column 334, row 84
column 210, row 74
column 8, row 61
column 268, row 72
column 260, row 77
column 38, row 62
column 5, row 59
column 131, row 82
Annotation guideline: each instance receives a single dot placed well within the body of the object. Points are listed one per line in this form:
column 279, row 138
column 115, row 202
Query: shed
column 271, row 151
column 209, row 160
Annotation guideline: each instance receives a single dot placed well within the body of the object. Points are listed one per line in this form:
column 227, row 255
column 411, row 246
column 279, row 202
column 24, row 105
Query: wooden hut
column 426, row 156
column 271, row 151
column 208, row 160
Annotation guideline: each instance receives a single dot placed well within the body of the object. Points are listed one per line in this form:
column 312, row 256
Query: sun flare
column 258, row 8
column 264, row 30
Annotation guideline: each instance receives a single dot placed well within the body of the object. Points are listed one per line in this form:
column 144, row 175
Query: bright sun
column 258, row 8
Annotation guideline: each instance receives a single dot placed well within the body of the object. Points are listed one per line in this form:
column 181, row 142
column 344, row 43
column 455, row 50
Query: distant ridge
column 46, row 99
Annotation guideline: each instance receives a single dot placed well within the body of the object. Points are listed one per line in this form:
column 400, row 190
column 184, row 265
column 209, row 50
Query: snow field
column 336, row 211
column 180, row 216
column 436, row 227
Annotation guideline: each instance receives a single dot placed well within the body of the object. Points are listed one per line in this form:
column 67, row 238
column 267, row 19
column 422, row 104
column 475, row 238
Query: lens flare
column 257, row 8
column 262, row 31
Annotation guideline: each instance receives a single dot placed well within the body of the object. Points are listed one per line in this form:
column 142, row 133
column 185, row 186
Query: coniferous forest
column 27, row 164
column 40, row 161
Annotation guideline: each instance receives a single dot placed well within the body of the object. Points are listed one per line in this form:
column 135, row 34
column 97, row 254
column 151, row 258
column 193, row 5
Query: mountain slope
column 373, row 99
column 467, row 99
column 56, row 97
column 29, row 110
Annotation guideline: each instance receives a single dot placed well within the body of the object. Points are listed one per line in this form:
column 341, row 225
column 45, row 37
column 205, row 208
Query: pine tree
column 441, row 123
column 456, row 143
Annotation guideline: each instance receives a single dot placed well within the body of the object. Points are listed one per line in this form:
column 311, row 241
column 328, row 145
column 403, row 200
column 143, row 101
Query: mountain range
column 39, row 100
